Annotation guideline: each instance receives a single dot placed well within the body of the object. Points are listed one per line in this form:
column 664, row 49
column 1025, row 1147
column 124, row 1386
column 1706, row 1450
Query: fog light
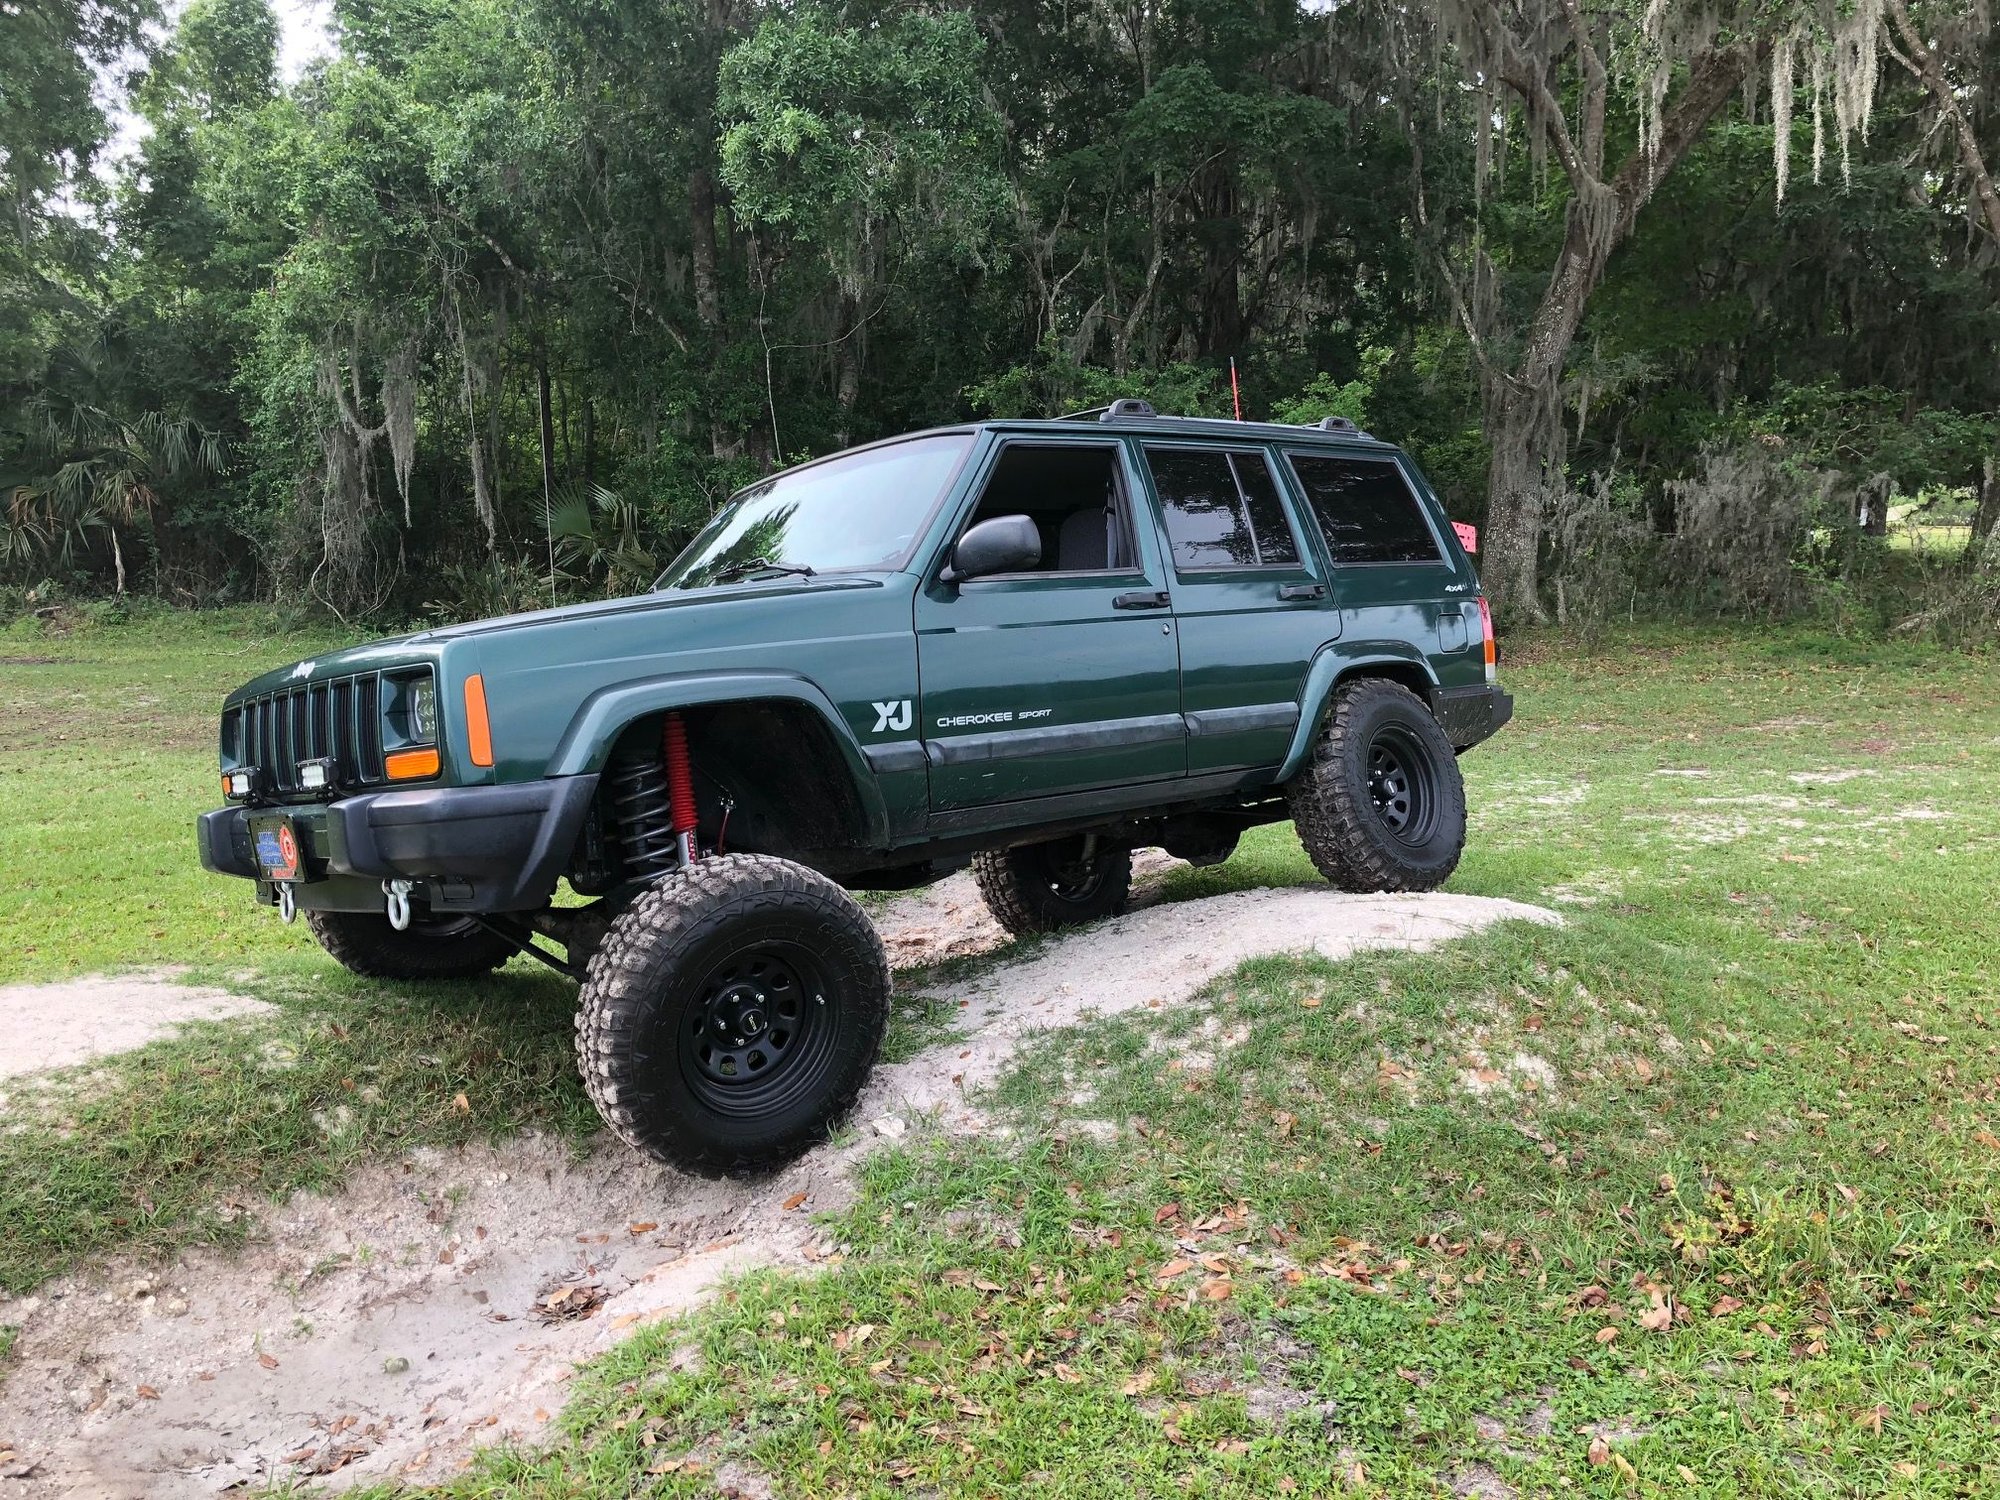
column 315, row 775
column 237, row 785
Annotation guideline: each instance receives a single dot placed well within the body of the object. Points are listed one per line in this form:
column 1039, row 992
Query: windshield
column 860, row 512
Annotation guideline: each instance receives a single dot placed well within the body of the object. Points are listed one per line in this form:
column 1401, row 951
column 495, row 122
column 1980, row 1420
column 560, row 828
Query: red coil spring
column 680, row 775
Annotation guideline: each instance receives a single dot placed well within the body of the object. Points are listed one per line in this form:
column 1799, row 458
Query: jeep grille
column 341, row 718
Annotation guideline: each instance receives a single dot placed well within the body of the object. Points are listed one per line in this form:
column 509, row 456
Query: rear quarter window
column 1366, row 509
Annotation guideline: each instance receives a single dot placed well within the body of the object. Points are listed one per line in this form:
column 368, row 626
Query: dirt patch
column 392, row 1328
column 59, row 1025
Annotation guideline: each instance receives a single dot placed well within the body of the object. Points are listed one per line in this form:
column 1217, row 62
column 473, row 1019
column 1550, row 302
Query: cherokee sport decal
column 1002, row 716
column 895, row 714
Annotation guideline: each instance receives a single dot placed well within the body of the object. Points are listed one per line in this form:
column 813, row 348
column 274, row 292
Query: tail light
column 1486, row 631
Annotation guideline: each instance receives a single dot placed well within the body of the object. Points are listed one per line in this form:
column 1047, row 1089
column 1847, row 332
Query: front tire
column 1381, row 804
column 432, row 947
column 732, row 1014
column 1060, row 883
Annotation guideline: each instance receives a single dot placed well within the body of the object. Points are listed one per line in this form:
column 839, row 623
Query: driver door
column 1060, row 679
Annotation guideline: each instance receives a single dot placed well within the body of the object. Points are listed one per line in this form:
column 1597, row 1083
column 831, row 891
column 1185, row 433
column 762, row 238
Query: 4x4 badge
column 895, row 714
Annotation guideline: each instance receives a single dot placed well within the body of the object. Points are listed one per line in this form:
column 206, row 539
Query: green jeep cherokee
column 1030, row 646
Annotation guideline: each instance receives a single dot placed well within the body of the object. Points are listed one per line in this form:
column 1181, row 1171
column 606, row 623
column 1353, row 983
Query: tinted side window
column 1275, row 542
column 1221, row 509
column 1365, row 508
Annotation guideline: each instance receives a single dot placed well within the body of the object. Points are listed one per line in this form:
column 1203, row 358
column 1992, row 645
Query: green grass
column 1755, row 1081
column 1752, row 1082
column 107, row 753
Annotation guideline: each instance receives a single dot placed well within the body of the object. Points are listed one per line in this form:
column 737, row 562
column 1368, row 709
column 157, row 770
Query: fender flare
column 604, row 715
column 1329, row 667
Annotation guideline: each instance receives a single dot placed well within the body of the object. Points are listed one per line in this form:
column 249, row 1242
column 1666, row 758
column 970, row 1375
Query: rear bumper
column 489, row 848
column 1471, row 714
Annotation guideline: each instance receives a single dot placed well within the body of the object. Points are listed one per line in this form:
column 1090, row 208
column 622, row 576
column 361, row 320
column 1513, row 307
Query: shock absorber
column 642, row 809
column 680, row 789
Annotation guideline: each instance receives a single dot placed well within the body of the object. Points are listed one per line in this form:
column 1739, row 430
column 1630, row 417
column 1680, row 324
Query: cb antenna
column 1235, row 390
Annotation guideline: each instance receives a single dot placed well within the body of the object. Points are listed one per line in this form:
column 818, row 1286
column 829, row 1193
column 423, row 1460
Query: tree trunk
column 548, row 426
column 1221, row 232
column 1516, row 491
column 701, row 220
column 1524, row 404
column 847, row 366
column 1980, row 545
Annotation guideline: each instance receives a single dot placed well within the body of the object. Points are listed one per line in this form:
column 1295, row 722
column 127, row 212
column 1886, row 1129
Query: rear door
column 1250, row 599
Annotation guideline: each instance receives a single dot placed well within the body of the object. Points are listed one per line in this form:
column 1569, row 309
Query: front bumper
column 1471, row 714
column 477, row 849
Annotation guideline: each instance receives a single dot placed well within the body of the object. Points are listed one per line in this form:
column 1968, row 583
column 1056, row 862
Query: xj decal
column 895, row 714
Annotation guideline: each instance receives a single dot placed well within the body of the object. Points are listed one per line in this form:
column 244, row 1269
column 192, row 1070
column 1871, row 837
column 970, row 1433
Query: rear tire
column 1043, row 887
column 433, row 947
column 1381, row 804
column 732, row 1014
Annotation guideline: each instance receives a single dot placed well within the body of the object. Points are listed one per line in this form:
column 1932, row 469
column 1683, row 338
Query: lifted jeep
column 1030, row 646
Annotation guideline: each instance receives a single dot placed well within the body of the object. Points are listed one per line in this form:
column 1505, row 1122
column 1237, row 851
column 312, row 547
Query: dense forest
column 1680, row 302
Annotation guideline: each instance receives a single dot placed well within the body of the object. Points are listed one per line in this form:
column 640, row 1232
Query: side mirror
column 1005, row 544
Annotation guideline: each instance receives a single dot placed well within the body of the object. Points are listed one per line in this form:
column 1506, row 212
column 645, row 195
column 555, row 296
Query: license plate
column 277, row 845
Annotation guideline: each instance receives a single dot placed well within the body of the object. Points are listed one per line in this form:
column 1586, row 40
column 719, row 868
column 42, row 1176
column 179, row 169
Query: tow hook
column 398, row 892
column 288, row 906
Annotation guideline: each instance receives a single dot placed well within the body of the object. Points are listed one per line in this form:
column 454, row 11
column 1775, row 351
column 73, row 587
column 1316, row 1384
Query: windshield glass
column 857, row 513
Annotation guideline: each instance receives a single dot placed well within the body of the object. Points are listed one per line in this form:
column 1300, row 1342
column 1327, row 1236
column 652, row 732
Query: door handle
column 1301, row 591
column 1143, row 599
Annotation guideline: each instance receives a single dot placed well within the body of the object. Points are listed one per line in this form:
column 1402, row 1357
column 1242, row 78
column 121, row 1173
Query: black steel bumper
column 486, row 848
column 1471, row 714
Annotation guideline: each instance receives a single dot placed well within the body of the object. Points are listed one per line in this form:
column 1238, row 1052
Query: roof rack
column 1342, row 424
column 1126, row 407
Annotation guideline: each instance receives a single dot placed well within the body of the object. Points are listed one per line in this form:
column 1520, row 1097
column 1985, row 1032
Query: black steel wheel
column 1060, row 883
column 732, row 1013
column 1380, row 806
column 432, row 947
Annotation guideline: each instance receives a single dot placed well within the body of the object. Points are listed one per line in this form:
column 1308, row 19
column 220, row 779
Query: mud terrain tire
column 431, row 948
column 732, row 1014
column 1380, row 806
column 1042, row 887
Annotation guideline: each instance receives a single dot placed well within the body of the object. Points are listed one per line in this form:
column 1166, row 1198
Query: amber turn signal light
column 478, row 731
column 411, row 765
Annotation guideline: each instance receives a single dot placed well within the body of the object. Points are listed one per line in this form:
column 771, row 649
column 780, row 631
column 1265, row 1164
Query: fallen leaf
column 1165, row 1212
column 1987, row 1139
column 1724, row 1306
column 1217, row 1288
column 1605, row 1334
column 793, row 1202
column 299, row 1457
column 1173, row 1268
column 147, row 1393
column 268, row 1361
column 646, row 1226
column 1600, row 1451
column 1657, row 1319
column 461, row 1104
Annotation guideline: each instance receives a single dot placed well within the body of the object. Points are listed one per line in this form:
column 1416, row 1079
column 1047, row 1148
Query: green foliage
column 710, row 239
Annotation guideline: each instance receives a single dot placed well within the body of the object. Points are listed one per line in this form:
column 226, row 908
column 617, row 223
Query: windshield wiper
column 759, row 565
